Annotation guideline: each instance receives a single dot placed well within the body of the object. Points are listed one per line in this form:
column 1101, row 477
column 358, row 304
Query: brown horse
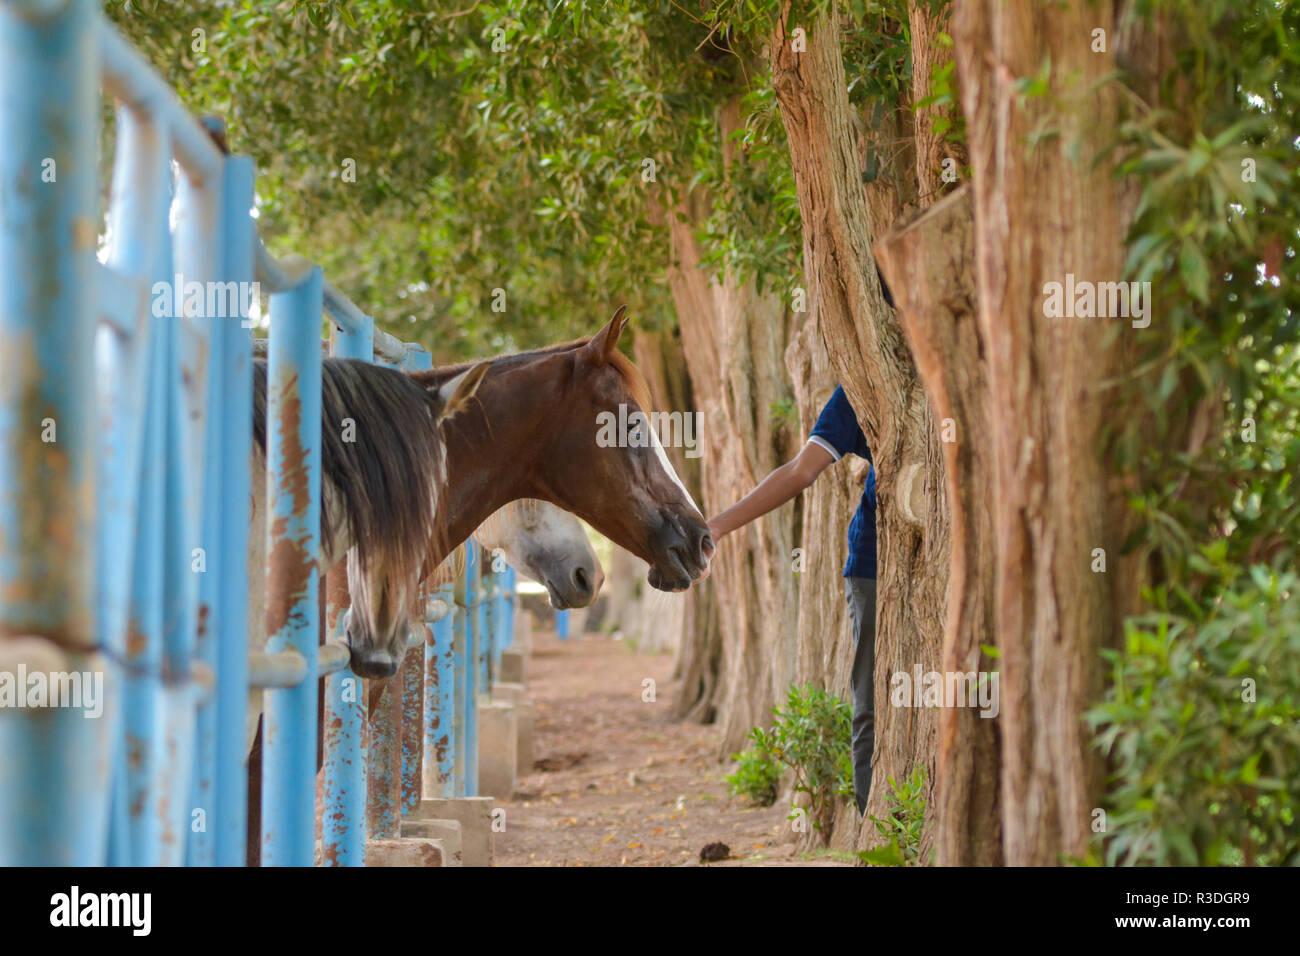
column 531, row 432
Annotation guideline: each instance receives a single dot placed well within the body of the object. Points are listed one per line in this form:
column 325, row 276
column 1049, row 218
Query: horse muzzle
column 373, row 664
column 683, row 547
column 575, row 586
column 366, row 659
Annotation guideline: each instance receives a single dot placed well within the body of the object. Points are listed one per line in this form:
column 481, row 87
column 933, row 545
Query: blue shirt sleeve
column 838, row 427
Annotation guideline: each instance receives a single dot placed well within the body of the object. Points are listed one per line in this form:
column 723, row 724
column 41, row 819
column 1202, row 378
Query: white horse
column 548, row 545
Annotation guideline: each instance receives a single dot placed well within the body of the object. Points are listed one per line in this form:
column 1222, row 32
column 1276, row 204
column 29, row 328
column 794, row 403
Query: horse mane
column 631, row 375
column 389, row 473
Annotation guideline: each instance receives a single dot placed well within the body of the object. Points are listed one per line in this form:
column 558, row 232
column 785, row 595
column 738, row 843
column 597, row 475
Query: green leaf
column 886, row 855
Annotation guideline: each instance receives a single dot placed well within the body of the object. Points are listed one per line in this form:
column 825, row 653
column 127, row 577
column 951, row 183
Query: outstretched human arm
column 773, row 491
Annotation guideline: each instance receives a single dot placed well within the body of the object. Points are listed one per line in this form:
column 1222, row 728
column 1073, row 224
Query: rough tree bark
column 929, row 264
column 1043, row 209
column 734, row 340
column 872, row 361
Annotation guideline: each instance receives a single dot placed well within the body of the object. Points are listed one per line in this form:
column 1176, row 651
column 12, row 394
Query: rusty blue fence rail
column 125, row 433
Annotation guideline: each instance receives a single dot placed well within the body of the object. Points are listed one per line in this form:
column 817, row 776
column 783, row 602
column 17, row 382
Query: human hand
column 716, row 531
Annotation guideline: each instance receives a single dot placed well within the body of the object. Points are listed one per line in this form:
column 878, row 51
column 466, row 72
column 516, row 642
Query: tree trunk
column 929, row 264
column 734, row 340
column 824, row 650
column 1044, row 209
column 871, row 360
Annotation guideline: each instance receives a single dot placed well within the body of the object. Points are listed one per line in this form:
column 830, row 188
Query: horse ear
column 602, row 345
column 455, row 395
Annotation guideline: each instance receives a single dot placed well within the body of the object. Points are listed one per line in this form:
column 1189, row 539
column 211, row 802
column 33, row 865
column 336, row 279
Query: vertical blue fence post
column 54, row 783
column 231, row 801
column 344, row 812
column 504, row 623
column 202, row 850
column 495, row 581
column 468, row 712
column 343, row 839
column 193, row 439
column 562, row 625
column 440, row 754
column 140, row 197
column 483, row 632
column 293, row 556
column 145, row 706
column 508, row 612
column 460, row 677
column 413, row 704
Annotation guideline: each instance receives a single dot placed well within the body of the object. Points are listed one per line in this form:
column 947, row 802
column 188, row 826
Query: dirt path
column 615, row 782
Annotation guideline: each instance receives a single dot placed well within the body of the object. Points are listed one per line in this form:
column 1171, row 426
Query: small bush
column 813, row 737
column 757, row 774
column 1201, row 723
column 902, row 828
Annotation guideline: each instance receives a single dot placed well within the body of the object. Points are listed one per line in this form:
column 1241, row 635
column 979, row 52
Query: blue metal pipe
column 491, row 626
column 343, row 834
column 473, row 638
column 412, row 729
column 139, row 176
column 413, row 705
column 145, row 706
column 508, row 611
column 202, row 848
column 384, row 765
column 293, row 560
column 343, row 840
column 484, row 630
column 440, row 739
column 192, row 365
column 562, row 625
column 230, row 816
column 54, row 786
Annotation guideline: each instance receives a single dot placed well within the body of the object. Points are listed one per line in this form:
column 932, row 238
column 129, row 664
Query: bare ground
column 617, row 783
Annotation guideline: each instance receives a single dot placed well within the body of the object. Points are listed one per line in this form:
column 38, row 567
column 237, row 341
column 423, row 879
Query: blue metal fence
column 125, row 432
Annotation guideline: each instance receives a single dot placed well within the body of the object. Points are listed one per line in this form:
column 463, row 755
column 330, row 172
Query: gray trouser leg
column 861, row 595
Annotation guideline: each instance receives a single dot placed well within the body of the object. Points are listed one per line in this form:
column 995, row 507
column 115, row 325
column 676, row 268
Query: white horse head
column 550, row 546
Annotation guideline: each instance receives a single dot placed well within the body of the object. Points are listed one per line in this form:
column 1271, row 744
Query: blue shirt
column 837, row 431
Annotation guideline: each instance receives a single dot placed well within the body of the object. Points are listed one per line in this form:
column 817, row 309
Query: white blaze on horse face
column 668, row 466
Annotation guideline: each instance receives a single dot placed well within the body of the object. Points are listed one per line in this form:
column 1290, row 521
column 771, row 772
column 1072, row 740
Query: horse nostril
column 580, row 579
column 706, row 544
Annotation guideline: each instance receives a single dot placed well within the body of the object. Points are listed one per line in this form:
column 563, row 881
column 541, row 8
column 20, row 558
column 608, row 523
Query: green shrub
column 813, row 737
column 1201, row 723
column 757, row 772
column 902, row 828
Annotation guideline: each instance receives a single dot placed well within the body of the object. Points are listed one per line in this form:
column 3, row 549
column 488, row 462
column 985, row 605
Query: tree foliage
column 537, row 152
column 1202, row 773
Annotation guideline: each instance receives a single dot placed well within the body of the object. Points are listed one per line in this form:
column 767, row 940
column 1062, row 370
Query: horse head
column 385, row 571
column 603, row 460
column 548, row 545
